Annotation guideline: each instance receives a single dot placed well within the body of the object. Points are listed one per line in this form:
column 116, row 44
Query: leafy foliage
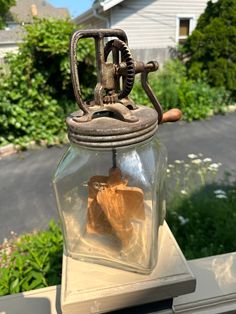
column 211, row 47
column 5, row 5
column 195, row 98
column 205, row 232
column 37, row 93
column 199, row 208
column 31, row 261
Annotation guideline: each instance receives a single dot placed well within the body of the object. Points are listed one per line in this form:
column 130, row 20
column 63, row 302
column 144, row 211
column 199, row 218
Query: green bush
column 37, row 94
column 211, row 47
column 196, row 99
column 31, row 261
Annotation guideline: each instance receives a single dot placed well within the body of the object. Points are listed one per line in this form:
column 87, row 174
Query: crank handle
column 171, row 115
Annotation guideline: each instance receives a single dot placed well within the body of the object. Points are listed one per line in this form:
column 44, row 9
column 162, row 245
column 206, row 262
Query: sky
column 75, row 7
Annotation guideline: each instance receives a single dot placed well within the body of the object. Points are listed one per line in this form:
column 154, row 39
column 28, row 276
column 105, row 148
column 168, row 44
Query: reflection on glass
column 111, row 212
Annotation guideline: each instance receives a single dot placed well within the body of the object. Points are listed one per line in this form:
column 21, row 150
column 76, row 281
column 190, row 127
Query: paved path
column 26, row 197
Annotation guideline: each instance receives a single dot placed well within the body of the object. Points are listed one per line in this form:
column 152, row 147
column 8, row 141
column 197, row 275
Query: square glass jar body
column 113, row 224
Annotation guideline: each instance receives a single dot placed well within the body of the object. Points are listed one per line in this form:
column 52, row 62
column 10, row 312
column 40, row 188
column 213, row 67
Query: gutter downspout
column 99, row 16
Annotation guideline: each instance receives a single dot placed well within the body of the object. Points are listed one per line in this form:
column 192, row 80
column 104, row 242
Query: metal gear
column 126, row 56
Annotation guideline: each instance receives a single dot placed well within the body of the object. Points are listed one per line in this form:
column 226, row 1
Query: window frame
column 192, row 24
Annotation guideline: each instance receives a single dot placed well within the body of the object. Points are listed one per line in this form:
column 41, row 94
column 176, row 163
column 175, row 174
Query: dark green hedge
column 212, row 45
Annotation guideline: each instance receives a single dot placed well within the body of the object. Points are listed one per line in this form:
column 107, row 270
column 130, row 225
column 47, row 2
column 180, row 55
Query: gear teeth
column 127, row 56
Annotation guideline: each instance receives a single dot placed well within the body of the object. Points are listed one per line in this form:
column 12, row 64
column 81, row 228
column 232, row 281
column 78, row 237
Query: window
column 184, row 27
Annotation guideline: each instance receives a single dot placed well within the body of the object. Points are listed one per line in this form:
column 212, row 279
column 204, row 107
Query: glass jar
column 111, row 203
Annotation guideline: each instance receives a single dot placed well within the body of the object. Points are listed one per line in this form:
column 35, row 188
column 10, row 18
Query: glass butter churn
column 109, row 185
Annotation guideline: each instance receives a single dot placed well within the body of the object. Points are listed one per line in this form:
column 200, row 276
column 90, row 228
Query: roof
column 83, row 17
column 25, row 10
column 97, row 4
column 108, row 4
column 12, row 36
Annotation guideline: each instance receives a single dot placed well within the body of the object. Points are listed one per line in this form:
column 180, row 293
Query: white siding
column 6, row 48
column 152, row 23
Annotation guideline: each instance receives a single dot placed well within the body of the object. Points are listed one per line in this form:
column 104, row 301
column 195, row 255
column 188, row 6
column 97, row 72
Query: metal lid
column 107, row 129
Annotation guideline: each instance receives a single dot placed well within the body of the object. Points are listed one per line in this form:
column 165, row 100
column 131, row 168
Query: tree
column 212, row 45
column 5, row 6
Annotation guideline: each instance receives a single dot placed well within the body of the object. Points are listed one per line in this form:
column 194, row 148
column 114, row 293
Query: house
column 9, row 41
column 23, row 13
column 153, row 27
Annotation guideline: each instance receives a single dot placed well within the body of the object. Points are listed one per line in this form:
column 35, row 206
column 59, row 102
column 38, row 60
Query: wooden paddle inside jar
column 112, row 205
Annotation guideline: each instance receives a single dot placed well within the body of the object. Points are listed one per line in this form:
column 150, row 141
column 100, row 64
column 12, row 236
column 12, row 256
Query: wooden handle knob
column 171, row 115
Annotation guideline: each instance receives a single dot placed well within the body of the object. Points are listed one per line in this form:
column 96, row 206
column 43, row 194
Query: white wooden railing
column 215, row 292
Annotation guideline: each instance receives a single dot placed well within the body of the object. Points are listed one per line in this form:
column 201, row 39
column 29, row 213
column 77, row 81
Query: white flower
column 184, row 192
column 196, row 161
column 207, row 160
column 183, row 220
column 171, row 166
column 179, row 161
column 186, row 166
column 219, row 192
column 214, row 166
column 168, row 170
column 221, row 196
column 192, row 156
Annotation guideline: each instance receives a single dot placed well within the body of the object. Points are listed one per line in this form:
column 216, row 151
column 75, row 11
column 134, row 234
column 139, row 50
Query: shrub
column 196, row 99
column 36, row 94
column 31, row 261
column 211, row 47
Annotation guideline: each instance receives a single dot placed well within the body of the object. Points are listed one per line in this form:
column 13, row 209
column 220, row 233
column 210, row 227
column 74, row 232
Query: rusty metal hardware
column 108, row 95
column 121, row 122
column 108, row 80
